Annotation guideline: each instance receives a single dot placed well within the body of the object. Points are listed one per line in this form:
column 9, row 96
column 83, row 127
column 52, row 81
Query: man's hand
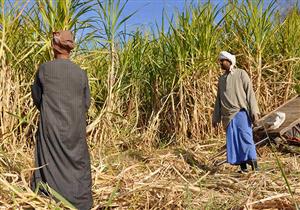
column 215, row 124
column 255, row 118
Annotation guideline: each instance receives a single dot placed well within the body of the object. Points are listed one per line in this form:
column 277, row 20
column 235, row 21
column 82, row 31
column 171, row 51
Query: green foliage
column 55, row 194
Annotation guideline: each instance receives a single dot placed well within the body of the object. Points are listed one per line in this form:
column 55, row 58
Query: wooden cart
column 289, row 131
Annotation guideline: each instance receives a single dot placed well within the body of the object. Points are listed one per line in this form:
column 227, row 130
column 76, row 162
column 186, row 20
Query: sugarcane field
column 150, row 104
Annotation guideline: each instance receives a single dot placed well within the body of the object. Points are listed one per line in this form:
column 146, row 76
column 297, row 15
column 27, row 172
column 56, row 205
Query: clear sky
column 150, row 11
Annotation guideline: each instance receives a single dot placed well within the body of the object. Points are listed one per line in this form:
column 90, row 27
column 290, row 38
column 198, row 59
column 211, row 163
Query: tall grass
column 150, row 91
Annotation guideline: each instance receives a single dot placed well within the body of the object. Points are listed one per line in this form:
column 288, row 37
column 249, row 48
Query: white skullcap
column 228, row 56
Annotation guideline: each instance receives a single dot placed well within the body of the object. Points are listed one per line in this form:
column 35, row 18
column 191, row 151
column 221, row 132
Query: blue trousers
column 239, row 139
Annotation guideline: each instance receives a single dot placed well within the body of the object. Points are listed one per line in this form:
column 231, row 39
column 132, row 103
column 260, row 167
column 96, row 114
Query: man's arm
column 87, row 94
column 250, row 96
column 37, row 91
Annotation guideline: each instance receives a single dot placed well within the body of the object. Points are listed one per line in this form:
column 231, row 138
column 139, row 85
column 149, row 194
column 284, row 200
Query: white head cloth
column 228, row 56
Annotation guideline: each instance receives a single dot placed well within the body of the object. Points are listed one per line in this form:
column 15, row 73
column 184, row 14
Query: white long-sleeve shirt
column 235, row 92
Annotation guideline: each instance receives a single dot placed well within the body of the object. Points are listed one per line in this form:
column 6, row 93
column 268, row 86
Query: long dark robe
column 61, row 93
